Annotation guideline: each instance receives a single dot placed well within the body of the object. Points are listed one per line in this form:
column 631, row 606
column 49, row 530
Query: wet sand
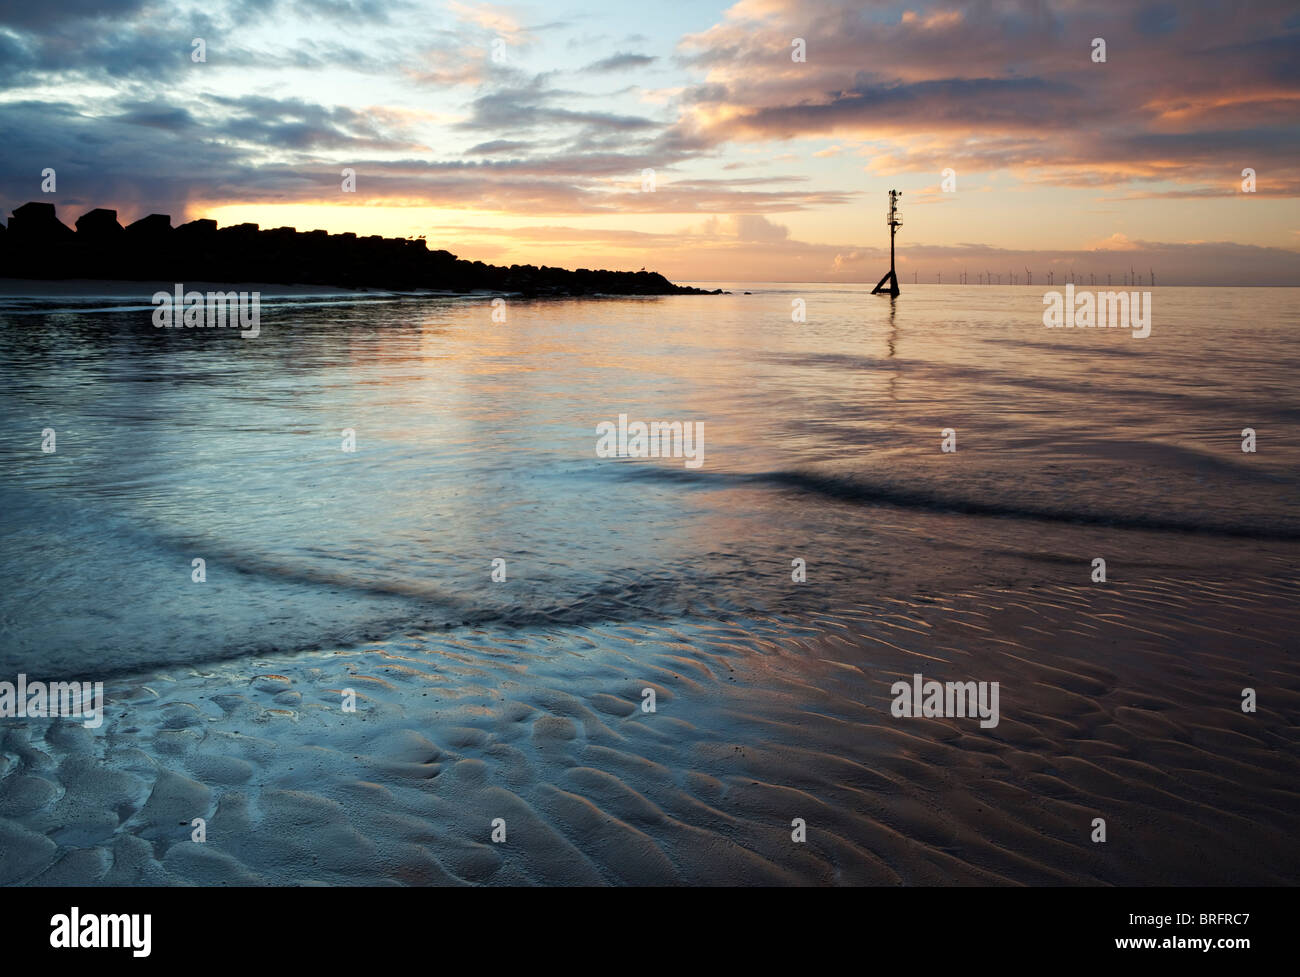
column 1118, row 702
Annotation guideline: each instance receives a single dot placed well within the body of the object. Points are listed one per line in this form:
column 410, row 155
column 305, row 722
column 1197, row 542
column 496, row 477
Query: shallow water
column 476, row 440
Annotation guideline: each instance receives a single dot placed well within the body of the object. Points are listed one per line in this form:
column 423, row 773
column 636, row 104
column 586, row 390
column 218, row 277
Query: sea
column 376, row 464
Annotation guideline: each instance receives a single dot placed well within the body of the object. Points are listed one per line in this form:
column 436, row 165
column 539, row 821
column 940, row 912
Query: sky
column 523, row 133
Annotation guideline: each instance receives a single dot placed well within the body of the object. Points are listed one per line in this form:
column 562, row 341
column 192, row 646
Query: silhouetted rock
column 36, row 222
column 37, row 245
column 153, row 226
column 98, row 224
column 200, row 226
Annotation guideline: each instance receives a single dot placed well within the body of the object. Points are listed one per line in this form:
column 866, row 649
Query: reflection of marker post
column 894, row 222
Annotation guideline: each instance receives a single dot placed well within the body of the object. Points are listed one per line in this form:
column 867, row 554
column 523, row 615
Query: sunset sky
column 519, row 132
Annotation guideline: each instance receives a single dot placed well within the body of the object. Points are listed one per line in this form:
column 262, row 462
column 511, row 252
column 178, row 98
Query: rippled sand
column 1116, row 702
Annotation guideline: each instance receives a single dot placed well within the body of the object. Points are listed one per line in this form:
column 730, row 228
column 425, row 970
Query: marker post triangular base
column 894, row 222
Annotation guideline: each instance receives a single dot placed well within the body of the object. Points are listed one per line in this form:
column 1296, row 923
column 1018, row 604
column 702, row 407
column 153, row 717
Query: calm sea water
column 475, row 440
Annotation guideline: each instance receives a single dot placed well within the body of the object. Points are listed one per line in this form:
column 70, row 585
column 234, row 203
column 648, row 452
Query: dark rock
column 200, row 226
column 153, row 226
column 98, row 225
column 36, row 222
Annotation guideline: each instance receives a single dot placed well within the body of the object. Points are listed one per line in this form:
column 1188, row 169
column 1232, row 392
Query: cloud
column 158, row 114
column 111, row 41
column 489, row 17
column 1116, row 242
column 621, row 61
column 1189, row 96
column 369, row 11
column 298, row 125
column 453, row 66
column 39, row 16
column 749, row 228
column 1010, row 86
column 250, row 149
column 532, row 107
column 496, row 146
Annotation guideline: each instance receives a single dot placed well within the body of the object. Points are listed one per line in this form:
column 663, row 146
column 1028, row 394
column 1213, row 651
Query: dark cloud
column 1156, row 19
column 496, row 146
column 156, row 114
column 31, row 16
column 526, row 108
column 298, row 125
column 127, row 40
column 99, row 162
column 364, row 11
column 620, row 62
column 114, row 50
column 962, row 103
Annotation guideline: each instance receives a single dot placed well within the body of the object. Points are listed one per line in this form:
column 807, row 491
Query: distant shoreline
column 130, row 288
column 36, row 245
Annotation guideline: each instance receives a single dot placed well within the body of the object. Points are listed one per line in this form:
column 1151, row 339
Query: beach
column 676, row 674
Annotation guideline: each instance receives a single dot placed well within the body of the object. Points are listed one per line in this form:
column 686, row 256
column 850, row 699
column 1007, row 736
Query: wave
column 856, row 491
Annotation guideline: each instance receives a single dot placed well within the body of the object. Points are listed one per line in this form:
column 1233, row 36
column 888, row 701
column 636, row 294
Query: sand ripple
column 1119, row 703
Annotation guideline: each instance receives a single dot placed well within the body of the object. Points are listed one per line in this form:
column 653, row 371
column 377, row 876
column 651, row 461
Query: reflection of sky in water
column 476, row 440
